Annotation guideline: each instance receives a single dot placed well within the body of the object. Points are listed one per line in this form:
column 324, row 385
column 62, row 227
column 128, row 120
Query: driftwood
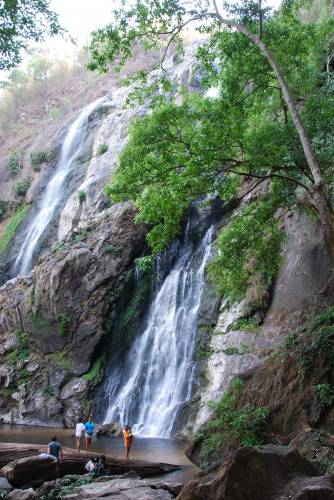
column 72, row 463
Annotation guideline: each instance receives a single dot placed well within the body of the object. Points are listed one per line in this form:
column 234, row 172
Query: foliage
column 64, row 321
column 102, row 148
column 39, row 321
column 37, row 158
column 3, row 209
column 21, row 352
column 60, row 246
column 94, row 375
column 61, row 359
column 24, row 21
column 132, row 314
column 81, row 196
column 108, row 248
column 243, row 324
column 49, row 391
column 314, row 346
column 14, row 163
column 180, row 152
column 228, row 423
column 14, row 222
column 145, row 264
column 249, row 245
column 55, row 113
column 65, row 486
column 79, row 236
column 326, row 395
column 22, row 187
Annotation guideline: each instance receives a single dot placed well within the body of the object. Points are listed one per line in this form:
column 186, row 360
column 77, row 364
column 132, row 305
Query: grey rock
column 5, row 485
column 22, row 495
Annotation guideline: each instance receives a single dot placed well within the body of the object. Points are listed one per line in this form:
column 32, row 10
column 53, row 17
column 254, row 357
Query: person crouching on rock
column 79, row 431
column 54, row 449
column 89, row 428
column 128, row 438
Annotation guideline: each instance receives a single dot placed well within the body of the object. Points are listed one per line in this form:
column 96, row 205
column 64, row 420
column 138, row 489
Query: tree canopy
column 23, row 21
column 272, row 124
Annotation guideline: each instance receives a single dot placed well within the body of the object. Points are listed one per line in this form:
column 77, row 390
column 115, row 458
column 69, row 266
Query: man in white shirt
column 79, row 431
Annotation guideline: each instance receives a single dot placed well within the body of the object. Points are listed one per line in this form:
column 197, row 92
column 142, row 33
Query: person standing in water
column 128, row 438
column 89, row 428
column 79, row 431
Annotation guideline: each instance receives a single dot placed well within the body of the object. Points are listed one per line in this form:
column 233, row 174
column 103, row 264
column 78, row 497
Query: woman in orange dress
column 128, row 438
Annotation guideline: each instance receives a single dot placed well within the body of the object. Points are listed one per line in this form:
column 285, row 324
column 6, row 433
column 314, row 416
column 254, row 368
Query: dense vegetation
column 270, row 127
column 22, row 21
column 230, row 425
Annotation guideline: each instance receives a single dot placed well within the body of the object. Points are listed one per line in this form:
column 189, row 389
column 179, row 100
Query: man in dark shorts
column 54, row 449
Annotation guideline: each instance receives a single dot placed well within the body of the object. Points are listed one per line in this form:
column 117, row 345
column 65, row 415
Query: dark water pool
column 154, row 449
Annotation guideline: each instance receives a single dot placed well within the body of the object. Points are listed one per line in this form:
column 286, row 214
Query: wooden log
column 74, row 462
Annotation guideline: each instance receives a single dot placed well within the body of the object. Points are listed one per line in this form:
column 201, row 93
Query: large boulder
column 109, row 430
column 31, row 470
column 269, row 472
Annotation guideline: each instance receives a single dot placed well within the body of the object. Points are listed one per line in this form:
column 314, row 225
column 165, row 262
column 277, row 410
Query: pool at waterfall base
column 150, row 449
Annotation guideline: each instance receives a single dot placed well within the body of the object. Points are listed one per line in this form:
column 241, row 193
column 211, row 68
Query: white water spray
column 157, row 375
column 53, row 194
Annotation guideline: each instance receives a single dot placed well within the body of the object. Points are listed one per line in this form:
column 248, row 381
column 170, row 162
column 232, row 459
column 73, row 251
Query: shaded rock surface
column 31, row 470
column 17, row 459
column 263, row 473
column 63, row 308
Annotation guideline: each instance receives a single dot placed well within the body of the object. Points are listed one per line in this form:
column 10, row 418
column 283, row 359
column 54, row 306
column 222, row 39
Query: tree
column 267, row 60
column 39, row 66
column 23, row 21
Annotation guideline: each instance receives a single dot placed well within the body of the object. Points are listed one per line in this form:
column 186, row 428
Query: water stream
column 54, row 191
column 155, row 380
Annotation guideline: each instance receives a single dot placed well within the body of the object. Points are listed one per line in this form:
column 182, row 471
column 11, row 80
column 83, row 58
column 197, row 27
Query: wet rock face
column 238, row 346
column 62, row 308
column 267, row 472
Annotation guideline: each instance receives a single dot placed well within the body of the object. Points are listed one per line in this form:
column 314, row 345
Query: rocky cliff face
column 62, row 308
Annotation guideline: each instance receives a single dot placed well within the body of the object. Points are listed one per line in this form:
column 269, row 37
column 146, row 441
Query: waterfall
column 156, row 379
column 53, row 193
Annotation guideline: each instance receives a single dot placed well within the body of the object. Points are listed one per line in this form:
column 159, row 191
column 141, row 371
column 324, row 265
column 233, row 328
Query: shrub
column 39, row 321
column 81, row 196
column 55, row 113
column 37, row 158
column 230, row 424
column 61, row 359
column 314, row 345
column 326, row 395
column 248, row 324
column 16, row 219
column 14, row 163
column 94, row 375
column 3, row 208
column 102, row 148
column 48, row 391
column 22, row 187
column 111, row 249
column 64, row 321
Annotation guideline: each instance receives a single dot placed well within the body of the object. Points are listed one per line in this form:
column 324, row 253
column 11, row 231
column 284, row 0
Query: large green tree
column 23, row 21
column 273, row 121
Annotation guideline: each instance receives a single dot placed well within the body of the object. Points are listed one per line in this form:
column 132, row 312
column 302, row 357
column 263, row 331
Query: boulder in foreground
column 31, row 470
column 261, row 473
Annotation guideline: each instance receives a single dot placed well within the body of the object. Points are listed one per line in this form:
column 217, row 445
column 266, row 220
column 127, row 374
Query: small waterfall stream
column 54, row 191
column 156, row 378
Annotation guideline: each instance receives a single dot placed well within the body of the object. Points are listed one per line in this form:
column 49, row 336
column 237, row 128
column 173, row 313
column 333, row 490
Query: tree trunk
column 326, row 215
column 321, row 202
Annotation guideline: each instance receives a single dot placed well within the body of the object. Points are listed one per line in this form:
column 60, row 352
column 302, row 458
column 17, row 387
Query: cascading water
column 156, row 378
column 53, row 194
